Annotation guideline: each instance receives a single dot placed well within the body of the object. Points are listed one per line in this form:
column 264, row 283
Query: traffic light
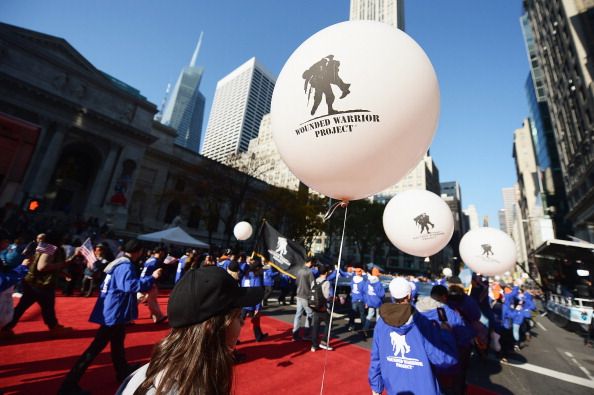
column 32, row 205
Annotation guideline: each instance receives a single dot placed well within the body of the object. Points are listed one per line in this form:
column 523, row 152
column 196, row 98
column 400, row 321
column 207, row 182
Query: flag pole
column 257, row 236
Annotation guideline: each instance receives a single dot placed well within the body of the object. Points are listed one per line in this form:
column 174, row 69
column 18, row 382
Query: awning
column 563, row 249
column 176, row 236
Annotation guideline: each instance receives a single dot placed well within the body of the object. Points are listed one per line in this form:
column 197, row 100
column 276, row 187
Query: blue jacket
column 250, row 279
column 181, row 263
column 374, row 297
column 402, row 356
column 12, row 255
column 150, row 265
column 358, row 289
column 117, row 303
column 12, row 277
column 463, row 332
column 269, row 275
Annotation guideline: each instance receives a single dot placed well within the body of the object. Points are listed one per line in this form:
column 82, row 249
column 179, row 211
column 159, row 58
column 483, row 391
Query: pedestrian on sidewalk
column 196, row 357
column 253, row 278
column 115, row 307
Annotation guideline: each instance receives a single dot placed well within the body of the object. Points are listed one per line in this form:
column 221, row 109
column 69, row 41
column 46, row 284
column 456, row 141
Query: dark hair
column 193, row 360
column 439, row 291
column 132, row 246
column 323, row 269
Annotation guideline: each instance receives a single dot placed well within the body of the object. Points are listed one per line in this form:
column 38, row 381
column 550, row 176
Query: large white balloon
column 243, row 230
column 418, row 222
column 488, row 251
column 349, row 132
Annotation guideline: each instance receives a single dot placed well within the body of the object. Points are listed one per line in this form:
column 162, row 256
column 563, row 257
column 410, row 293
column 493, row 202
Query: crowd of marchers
column 422, row 341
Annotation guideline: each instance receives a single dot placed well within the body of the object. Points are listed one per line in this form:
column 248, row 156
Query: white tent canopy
column 173, row 236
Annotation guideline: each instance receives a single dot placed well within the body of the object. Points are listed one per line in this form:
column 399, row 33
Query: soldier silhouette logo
column 486, row 250
column 423, row 221
column 320, row 77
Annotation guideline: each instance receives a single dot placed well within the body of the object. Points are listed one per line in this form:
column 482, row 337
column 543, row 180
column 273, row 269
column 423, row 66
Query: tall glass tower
column 185, row 108
column 387, row 11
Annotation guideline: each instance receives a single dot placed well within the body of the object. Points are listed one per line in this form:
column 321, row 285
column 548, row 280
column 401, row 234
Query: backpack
column 316, row 300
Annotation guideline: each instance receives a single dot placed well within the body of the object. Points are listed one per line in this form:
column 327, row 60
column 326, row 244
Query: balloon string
column 335, row 289
column 333, row 208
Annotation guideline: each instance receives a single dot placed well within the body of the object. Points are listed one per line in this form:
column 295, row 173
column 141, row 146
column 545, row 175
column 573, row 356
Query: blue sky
column 476, row 47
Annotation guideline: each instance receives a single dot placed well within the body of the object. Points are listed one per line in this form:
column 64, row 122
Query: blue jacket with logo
column 403, row 357
column 150, row 265
column 374, row 297
column 358, row 289
column 10, row 278
column 181, row 263
column 250, row 279
column 117, row 303
column 269, row 275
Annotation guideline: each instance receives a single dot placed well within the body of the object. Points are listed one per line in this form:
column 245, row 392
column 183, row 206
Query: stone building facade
column 85, row 145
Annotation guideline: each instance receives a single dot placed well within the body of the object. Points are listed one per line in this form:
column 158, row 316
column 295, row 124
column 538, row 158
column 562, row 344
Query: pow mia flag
column 285, row 255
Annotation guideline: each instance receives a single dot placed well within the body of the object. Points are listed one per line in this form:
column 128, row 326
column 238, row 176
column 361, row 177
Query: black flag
column 285, row 255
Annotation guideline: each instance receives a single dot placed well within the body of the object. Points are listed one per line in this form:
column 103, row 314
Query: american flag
column 86, row 249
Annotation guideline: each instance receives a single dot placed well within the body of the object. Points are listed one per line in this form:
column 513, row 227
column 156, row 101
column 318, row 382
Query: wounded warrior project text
column 336, row 124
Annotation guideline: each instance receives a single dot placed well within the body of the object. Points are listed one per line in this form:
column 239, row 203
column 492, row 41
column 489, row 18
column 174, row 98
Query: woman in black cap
column 196, row 357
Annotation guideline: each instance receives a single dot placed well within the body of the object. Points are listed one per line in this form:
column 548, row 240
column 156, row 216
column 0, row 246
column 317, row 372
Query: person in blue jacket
column 150, row 296
column 13, row 256
column 407, row 347
column 374, row 298
column 270, row 274
column 358, row 290
column 184, row 262
column 8, row 278
column 115, row 307
column 253, row 278
column 452, row 380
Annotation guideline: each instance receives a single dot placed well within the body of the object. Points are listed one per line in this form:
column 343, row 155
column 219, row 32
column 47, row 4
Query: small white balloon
column 418, row 222
column 362, row 99
column 447, row 272
column 243, row 230
column 488, row 251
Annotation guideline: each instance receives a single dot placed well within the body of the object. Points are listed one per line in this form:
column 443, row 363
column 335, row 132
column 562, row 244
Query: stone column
column 102, row 182
column 44, row 163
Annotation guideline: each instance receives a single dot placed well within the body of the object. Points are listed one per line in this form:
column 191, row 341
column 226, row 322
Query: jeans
column 302, row 307
column 358, row 309
column 318, row 318
column 371, row 312
column 516, row 331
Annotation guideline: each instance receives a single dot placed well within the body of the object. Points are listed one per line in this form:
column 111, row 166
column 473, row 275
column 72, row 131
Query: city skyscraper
column 510, row 198
column 451, row 193
column 241, row 99
column 564, row 46
column 473, row 218
column 543, row 136
column 184, row 110
column 537, row 225
column 387, row 11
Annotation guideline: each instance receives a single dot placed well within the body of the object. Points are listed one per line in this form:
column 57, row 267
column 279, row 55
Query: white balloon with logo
column 243, row 230
column 354, row 109
column 488, row 251
column 418, row 222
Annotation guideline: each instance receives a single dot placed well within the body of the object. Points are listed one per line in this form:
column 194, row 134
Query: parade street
column 556, row 361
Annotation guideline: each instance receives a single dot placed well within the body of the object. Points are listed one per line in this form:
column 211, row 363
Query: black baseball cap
column 207, row 292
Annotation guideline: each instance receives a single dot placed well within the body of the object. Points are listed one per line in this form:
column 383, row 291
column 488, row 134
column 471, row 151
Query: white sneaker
column 325, row 347
column 313, row 349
